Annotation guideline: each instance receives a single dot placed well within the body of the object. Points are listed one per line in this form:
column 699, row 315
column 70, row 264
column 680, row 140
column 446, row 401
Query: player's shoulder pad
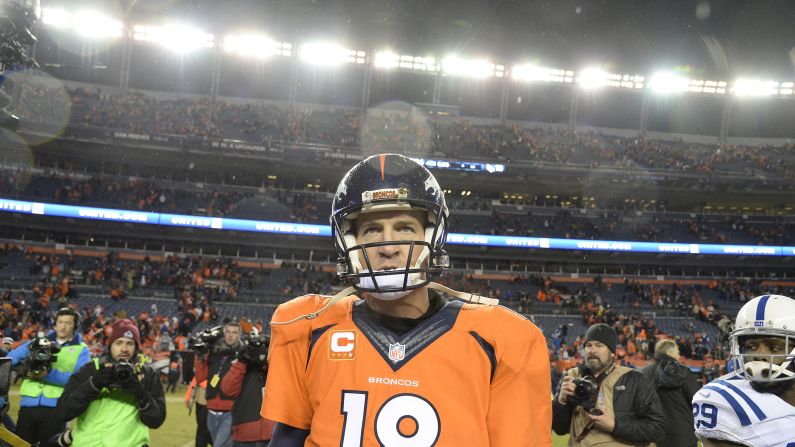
column 309, row 304
column 500, row 322
column 737, row 403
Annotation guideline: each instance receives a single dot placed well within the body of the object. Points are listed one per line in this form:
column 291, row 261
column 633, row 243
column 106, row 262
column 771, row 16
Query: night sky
column 704, row 38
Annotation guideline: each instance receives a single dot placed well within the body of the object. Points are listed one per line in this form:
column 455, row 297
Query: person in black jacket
column 600, row 402
column 676, row 386
column 115, row 400
column 245, row 382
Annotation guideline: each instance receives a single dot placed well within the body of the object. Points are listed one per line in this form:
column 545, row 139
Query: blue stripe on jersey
column 760, row 308
column 738, row 409
column 757, row 411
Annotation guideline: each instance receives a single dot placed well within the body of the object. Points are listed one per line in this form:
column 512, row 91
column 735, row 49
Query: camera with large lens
column 586, row 393
column 255, row 349
column 42, row 353
column 123, row 372
column 204, row 340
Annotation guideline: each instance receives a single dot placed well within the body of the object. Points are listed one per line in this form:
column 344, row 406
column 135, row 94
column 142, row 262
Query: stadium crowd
column 308, row 206
column 214, row 118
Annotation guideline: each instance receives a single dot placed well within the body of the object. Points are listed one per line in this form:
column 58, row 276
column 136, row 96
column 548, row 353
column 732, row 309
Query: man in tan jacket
column 601, row 403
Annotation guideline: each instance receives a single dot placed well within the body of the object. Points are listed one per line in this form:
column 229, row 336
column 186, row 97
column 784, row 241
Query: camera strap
column 590, row 425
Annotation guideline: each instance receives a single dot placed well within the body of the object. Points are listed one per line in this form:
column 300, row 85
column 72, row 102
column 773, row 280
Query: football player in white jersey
column 754, row 405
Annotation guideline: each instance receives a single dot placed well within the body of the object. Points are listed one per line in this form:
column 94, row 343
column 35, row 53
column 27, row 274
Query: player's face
column 122, row 348
column 597, row 356
column 766, row 349
column 390, row 226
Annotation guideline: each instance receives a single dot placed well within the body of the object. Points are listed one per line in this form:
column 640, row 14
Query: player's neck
column 413, row 305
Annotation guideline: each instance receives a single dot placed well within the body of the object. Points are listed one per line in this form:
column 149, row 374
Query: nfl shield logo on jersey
column 397, row 352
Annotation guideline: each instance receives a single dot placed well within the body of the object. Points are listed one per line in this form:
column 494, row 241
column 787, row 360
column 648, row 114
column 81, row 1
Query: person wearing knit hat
column 127, row 329
column 586, row 407
column 115, row 388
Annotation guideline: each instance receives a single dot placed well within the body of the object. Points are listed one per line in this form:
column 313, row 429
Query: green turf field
column 179, row 428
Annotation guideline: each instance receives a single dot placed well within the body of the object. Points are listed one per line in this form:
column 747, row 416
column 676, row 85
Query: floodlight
column 665, row 83
column 56, row 17
column 386, row 59
column 329, row 54
column 179, row 38
column 592, row 78
column 473, row 68
column 532, row 72
column 95, row 25
column 256, row 46
column 754, row 87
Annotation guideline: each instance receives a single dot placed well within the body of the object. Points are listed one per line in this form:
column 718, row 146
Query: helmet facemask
column 766, row 372
column 356, row 267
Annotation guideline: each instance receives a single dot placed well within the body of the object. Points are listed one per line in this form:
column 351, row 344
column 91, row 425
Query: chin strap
column 468, row 297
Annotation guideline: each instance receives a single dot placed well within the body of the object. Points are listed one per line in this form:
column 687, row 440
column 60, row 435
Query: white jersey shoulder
column 729, row 409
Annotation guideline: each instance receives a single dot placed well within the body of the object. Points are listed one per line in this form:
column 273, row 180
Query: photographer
column 115, row 400
column 245, row 382
column 48, row 362
column 676, row 386
column 212, row 364
column 601, row 402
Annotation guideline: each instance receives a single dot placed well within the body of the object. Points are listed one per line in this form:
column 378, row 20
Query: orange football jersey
column 469, row 375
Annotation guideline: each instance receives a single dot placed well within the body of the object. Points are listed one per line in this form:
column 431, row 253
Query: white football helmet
column 771, row 316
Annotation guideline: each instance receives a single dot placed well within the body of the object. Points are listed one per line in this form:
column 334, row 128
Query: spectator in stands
column 212, row 367
column 114, row 407
column 675, row 386
column 41, row 388
column 622, row 408
column 245, row 383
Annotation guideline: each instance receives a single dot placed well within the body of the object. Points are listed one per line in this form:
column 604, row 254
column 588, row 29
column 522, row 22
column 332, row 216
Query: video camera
column 586, row 393
column 43, row 353
column 255, row 349
column 204, row 340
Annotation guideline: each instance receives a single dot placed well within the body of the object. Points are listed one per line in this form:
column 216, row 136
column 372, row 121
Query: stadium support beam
column 437, row 88
column 368, row 74
column 725, row 119
column 293, row 86
column 644, row 112
column 575, row 104
column 504, row 100
column 215, row 76
column 126, row 60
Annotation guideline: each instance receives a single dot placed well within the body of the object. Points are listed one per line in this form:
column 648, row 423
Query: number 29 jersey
column 466, row 375
column 729, row 409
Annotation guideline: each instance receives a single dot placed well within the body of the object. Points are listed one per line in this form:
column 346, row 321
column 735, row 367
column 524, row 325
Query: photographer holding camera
column 48, row 363
column 115, row 400
column 601, row 403
column 215, row 352
column 245, row 382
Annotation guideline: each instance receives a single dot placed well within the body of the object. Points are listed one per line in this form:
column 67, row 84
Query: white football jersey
column 729, row 409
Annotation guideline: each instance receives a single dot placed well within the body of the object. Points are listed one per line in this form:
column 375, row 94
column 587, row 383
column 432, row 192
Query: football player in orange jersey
column 401, row 364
